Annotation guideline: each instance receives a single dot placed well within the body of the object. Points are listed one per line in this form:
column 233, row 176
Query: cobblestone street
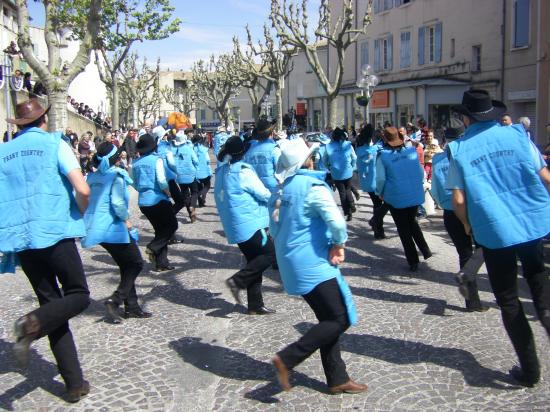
column 415, row 345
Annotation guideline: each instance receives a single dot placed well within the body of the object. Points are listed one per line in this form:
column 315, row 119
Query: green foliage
column 67, row 15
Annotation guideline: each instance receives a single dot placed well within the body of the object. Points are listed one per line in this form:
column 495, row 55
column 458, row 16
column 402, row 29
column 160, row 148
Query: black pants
column 176, row 195
column 464, row 246
column 379, row 211
column 44, row 268
column 410, row 233
column 327, row 303
column 164, row 222
column 190, row 192
column 258, row 259
column 128, row 258
column 346, row 196
column 502, row 269
column 204, row 187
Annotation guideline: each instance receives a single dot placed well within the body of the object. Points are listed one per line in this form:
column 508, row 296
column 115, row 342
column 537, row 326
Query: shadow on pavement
column 230, row 364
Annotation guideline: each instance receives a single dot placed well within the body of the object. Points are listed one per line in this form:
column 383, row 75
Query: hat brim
column 257, row 133
column 25, row 121
column 495, row 113
column 281, row 174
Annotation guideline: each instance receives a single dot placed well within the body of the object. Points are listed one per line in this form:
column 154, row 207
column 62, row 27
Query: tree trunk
column 57, row 116
column 115, row 106
column 279, row 103
column 255, row 112
column 332, row 106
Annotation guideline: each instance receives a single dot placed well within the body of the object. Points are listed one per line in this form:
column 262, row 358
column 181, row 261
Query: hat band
column 484, row 112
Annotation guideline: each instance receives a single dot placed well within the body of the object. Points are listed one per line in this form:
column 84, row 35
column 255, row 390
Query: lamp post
column 366, row 83
column 239, row 117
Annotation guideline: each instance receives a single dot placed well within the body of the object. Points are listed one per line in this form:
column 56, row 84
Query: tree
column 292, row 26
column 181, row 100
column 275, row 65
column 79, row 17
column 125, row 22
column 216, row 82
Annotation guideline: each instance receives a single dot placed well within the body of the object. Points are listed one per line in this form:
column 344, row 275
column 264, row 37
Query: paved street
column 414, row 345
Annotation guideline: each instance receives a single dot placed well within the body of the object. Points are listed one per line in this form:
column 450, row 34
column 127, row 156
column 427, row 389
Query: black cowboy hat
column 477, row 104
column 146, row 144
column 339, row 134
column 233, row 146
column 262, row 128
column 104, row 149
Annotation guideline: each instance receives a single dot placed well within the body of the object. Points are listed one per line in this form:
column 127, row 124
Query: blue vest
column 366, row 167
column 403, row 186
column 187, row 171
column 340, row 155
column 440, row 170
column 260, row 157
column 203, row 168
column 506, row 201
column 162, row 149
column 37, row 207
column 145, row 180
column 219, row 140
column 302, row 243
column 239, row 211
column 318, row 159
column 102, row 224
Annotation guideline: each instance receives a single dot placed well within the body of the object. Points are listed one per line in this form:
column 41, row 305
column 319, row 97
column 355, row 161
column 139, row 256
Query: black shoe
column 234, row 289
column 356, row 194
column 413, row 267
column 261, row 311
column 75, row 394
column 112, row 311
column 380, row 235
column 477, row 308
column 521, row 377
column 163, row 268
column 137, row 313
column 349, row 218
column 26, row 330
column 352, row 208
column 427, row 255
column 174, row 240
column 150, row 256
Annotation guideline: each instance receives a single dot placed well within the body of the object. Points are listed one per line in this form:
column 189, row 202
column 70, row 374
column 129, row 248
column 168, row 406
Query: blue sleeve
column 537, row 157
column 66, row 160
column 320, row 202
column 170, row 161
column 455, row 180
column 353, row 159
column 194, row 158
column 251, row 183
column 380, row 177
column 118, row 198
column 161, row 176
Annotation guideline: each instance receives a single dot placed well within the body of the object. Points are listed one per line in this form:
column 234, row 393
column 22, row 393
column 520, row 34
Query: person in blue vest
column 366, row 170
column 309, row 232
column 154, row 201
column 108, row 224
column 462, row 241
column 40, row 218
column 501, row 195
column 399, row 183
column 204, row 171
column 186, row 162
column 340, row 158
column 263, row 154
column 241, row 200
column 219, row 139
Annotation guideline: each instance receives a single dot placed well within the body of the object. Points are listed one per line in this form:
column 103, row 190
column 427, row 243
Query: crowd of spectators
column 82, row 109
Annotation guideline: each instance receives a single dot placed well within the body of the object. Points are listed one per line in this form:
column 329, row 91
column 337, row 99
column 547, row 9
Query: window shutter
column 398, row 3
column 377, row 55
column 438, row 42
column 421, row 39
column 402, row 61
column 390, row 52
column 388, row 4
column 376, row 6
column 364, row 53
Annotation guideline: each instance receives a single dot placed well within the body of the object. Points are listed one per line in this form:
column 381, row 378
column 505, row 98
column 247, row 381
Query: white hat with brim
column 293, row 155
column 158, row 132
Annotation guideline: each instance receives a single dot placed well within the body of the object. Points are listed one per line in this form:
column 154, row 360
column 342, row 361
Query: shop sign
column 380, row 99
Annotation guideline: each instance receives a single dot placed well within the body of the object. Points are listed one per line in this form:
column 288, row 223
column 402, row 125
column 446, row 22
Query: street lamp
column 366, row 83
column 239, row 116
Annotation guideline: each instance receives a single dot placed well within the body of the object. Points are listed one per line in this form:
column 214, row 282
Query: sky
column 208, row 27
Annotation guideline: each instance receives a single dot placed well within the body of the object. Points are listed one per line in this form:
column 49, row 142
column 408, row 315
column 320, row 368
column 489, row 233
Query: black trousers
column 44, row 268
column 204, row 187
column 258, row 259
column 346, row 196
column 464, row 246
column 129, row 260
column 379, row 211
column 409, row 232
column 164, row 222
column 190, row 192
column 327, row 303
column 176, row 195
column 502, row 269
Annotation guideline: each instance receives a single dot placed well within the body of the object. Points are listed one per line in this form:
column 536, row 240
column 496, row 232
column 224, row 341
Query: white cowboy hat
column 158, row 133
column 293, row 155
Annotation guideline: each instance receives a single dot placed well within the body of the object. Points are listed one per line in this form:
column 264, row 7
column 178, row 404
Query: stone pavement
column 414, row 345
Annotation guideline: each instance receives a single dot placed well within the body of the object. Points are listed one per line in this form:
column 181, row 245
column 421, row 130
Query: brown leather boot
column 282, row 373
column 348, row 387
column 27, row 329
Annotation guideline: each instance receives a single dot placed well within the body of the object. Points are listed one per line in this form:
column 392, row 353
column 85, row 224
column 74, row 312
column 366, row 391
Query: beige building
column 427, row 53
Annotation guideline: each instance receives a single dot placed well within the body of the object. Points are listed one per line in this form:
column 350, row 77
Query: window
column 401, row 2
column 203, row 115
column 180, row 85
column 521, row 23
column 476, row 58
column 364, row 53
column 383, row 54
column 452, row 48
column 432, row 35
column 405, row 50
column 383, row 5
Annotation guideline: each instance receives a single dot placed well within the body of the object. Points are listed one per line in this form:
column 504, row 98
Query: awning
column 407, row 83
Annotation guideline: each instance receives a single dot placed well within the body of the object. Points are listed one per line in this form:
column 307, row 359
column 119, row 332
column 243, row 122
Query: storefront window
column 439, row 115
column 405, row 114
column 378, row 119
